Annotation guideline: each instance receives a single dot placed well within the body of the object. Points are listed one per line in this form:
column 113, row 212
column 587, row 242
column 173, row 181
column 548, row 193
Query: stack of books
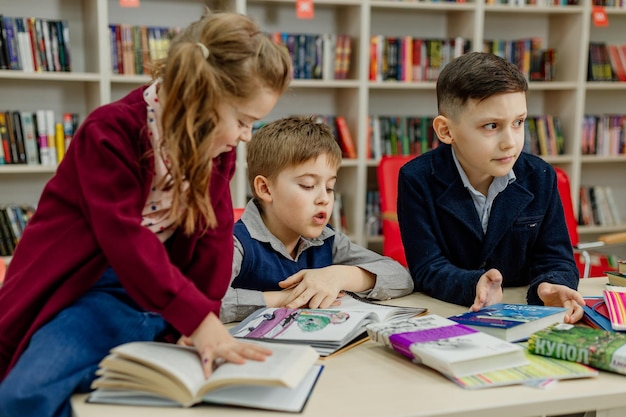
column 618, row 277
column 470, row 358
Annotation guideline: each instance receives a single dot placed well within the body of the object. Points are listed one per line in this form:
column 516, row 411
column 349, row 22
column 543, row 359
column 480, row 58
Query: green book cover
column 598, row 348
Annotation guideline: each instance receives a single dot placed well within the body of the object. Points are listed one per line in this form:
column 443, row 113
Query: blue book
column 596, row 314
column 511, row 322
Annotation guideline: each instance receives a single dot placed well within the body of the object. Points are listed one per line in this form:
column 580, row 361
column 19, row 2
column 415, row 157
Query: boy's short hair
column 476, row 76
column 288, row 142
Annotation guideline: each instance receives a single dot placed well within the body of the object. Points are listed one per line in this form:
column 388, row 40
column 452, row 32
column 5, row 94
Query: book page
column 304, row 325
column 384, row 312
column 285, row 367
column 179, row 362
column 261, row 397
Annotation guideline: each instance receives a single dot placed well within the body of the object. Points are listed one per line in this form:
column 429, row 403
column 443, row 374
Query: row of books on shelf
column 534, row 61
column 597, row 207
column 35, row 138
column 609, row 3
column 607, row 62
column 414, row 135
column 133, row 48
column 407, row 58
column 604, row 135
column 534, row 2
column 13, row 220
column 543, row 135
column 317, row 56
column 400, row 135
column 34, row 44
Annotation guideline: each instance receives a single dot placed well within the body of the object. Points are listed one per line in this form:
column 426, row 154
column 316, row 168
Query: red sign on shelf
column 599, row 16
column 304, row 9
column 129, row 3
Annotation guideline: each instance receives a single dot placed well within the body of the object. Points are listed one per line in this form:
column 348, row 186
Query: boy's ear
column 441, row 126
column 262, row 188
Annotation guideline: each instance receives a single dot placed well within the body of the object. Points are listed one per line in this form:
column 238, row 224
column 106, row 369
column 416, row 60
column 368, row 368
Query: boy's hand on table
column 315, row 288
column 561, row 296
column 488, row 290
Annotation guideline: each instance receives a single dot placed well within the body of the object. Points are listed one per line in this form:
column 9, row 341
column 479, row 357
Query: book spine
column 19, row 136
column 11, row 41
column 345, row 137
column 400, row 345
column 30, row 142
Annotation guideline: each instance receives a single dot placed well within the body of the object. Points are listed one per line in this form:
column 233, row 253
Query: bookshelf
column 566, row 28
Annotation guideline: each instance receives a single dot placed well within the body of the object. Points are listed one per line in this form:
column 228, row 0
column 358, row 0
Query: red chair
column 238, row 211
column 387, row 174
column 590, row 264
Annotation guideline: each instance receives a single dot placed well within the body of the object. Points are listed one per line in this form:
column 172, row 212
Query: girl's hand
column 215, row 345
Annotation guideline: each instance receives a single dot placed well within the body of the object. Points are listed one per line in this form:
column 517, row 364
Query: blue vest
column 262, row 268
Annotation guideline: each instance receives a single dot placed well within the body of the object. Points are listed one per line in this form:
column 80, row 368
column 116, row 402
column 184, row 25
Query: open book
column 164, row 374
column 327, row 330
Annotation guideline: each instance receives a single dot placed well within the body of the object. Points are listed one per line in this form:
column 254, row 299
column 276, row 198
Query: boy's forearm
column 355, row 279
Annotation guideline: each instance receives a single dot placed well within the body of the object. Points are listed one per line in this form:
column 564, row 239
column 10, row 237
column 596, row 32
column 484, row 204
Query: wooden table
column 372, row 381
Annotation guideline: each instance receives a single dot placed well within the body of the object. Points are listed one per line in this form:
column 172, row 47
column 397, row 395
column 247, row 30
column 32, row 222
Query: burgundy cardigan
column 89, row 217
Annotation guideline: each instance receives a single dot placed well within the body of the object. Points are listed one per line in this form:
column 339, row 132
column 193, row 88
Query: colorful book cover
column 540, row 370
column 597, row 348
column 448, row 347
column 615, row 300
column 511, row 322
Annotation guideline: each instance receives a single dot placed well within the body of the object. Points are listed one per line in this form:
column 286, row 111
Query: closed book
column 329, row 331
column 511, row 322
column 596, row 314
column 600, row 349
column 616, row 278
column 621, row 266
column 163, row 374
column 450, row 348
column 540, row 371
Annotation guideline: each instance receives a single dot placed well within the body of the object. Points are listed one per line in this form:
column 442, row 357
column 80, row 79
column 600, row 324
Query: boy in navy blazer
column 477, row 214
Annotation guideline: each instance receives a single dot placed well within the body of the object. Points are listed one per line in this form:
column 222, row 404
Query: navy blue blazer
column 446, row 249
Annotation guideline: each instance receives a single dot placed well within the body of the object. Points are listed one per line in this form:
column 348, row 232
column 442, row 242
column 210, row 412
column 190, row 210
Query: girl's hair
column 236, row 62
column 289, row 142
column 476, row 76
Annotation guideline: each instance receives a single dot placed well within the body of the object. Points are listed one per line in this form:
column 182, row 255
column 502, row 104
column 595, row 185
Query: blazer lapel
column 454, row 198
column 506, row 208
